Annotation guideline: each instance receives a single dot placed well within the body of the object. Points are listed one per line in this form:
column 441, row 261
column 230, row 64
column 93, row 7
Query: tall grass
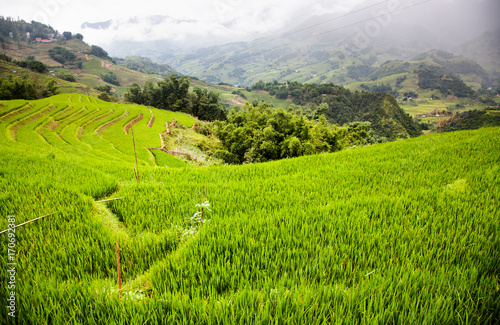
column 397, row 233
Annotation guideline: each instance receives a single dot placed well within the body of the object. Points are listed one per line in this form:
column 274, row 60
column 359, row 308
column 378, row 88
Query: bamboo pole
column 118, row 268
column 25, row 223
column 135, row 151
column 202, row 202
column 114, row 199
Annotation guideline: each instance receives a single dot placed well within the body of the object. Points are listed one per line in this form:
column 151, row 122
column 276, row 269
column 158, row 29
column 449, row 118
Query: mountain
column 484, row 49
column 340, row 57
column 85, row 65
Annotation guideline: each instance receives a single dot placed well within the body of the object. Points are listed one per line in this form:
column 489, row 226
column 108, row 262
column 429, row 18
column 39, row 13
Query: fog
column 190, row 24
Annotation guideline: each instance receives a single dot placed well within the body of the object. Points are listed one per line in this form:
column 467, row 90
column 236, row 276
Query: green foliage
column 206, row 105
column 61, row 55
column 5, row 57
column 432, row 78
column 68, row 77
column 390, row 68
column 111, row 78
column 105, row 97
column 387, row 119
column 381, row 88
column 33, row 65
column 68, row 35
column 98, row 51
column 359, row 72
column 173, row 94
column 21, row 27
column 29, row 63
column 16, row 88
column 147, row 66
column 260, row 133
column 469, row 120
column 105, row 88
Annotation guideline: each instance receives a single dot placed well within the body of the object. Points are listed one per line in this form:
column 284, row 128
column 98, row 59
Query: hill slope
column 87, row 64
column 403, row 232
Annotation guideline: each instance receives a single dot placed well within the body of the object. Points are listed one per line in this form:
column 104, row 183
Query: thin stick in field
column 25, row 223
column 114, row 199
column 135, row 151
column 118, row 267
column 202, row 202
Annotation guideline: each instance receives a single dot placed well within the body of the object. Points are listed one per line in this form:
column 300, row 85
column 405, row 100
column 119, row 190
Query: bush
column 61, row 55
column 110, row 78
column 98, row 51
column 68, row 77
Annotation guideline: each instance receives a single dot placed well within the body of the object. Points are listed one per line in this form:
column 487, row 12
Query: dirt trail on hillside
column 104, row 127
column 151, row 121
column 131, row 123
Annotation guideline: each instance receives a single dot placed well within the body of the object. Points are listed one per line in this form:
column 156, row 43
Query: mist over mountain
column 443, row 23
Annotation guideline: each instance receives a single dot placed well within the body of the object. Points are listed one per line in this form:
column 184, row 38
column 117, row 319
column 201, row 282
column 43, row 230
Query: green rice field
column 396, row 233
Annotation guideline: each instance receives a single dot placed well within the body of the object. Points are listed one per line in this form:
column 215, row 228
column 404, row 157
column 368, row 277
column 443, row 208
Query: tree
column 135, row 94
column 104, row 96
column 67, row 35
column 110, row 78
column 173, row 94
column 61, row 55
column 14, row 88
column 260, row 133
column 79, row 36
column 98, row 51
column 205, row 105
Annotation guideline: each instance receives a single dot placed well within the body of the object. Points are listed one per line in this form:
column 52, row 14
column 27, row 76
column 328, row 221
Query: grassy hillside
column 85, row 127
column 403, row 232
column 129, row 71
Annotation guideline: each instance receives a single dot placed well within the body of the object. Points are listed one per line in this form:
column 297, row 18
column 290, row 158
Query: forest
column 173, row 94
column 388, row 120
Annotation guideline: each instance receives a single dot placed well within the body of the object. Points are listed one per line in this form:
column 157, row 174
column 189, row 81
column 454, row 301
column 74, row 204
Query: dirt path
column 107, row 125
column 151, row 121
column 131, row 123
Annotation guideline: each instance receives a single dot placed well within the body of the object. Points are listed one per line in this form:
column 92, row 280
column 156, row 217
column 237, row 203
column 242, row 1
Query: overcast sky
column 202, row 19
column 70, row 14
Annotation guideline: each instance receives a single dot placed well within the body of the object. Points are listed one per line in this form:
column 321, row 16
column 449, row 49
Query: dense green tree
column 68, row 77
column 16, row 88
column 61, row 55
column 111, row 78
column 206, row 105
column 435, row 78
column 261, row 133
column 33, row 65
column 98, row 51
column 470, row 120
column 105, row 88
column 68, row 35
column 342, row 106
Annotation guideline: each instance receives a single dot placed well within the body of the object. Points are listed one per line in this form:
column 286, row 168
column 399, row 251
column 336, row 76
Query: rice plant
column 403, row 232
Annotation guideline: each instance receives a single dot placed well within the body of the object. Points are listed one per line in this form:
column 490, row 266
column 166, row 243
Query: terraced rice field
column 396, row 233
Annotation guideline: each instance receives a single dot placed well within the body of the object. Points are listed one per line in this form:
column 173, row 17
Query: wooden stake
column 118, row 267
column 202, row 208
column 25, row 223
column 135, row 151
column 114, row 199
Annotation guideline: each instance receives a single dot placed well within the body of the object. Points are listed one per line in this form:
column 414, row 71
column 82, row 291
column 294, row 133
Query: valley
column 296, row 177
